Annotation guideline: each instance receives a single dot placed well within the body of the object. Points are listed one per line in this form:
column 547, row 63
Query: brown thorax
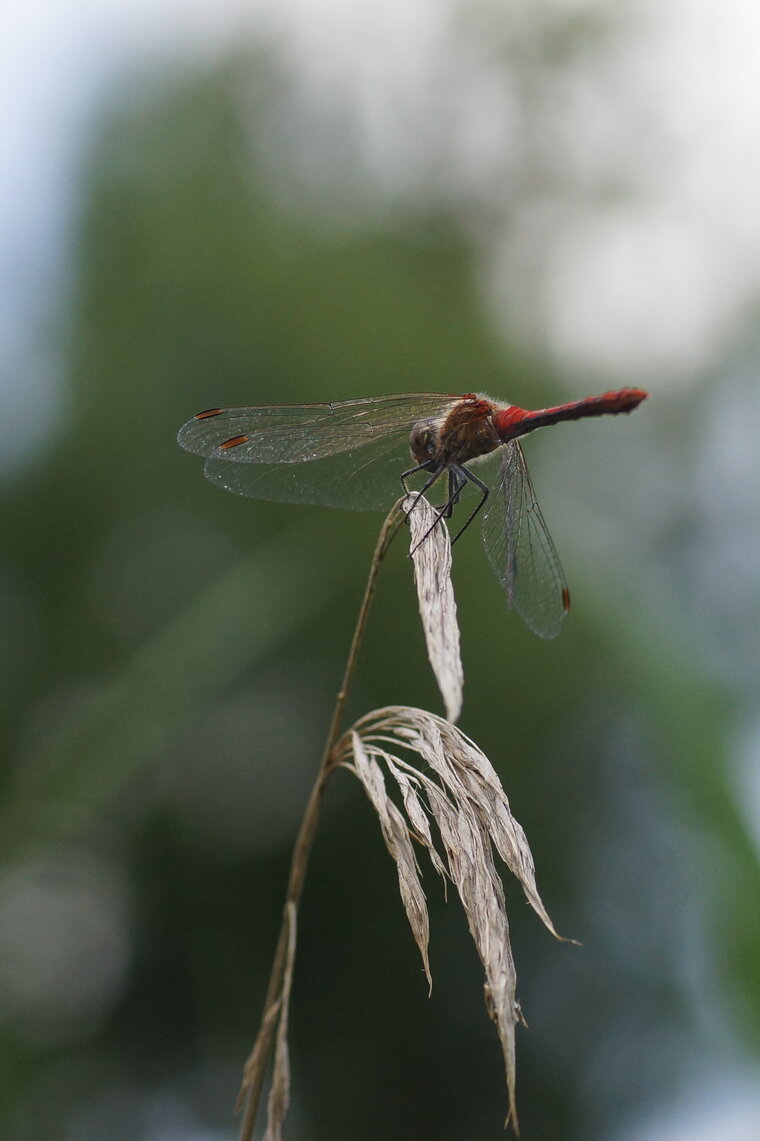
column 466, row 432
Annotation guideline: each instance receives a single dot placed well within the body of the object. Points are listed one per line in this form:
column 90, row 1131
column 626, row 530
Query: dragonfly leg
column 466, row 476
column 412, row 471
column 457, row 480
column 427, row 484
column 456, row 483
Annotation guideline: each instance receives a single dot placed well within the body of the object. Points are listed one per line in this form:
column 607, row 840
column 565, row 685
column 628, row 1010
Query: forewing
column 347, row 454
column 298, row 433
column 520, row 548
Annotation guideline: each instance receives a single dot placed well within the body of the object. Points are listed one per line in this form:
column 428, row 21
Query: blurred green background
column 351, row 209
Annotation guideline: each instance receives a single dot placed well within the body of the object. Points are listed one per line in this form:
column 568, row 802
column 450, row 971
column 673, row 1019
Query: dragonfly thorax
column 464, row 434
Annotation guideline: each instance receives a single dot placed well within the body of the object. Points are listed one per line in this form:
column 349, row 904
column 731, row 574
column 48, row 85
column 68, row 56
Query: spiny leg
column 456, row 483
column 466, row 475
column 426, row 485
column 457, row 480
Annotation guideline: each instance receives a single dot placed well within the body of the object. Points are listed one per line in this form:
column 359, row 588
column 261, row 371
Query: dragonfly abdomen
column 512, row 421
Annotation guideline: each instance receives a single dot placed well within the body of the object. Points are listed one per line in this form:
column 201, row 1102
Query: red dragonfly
column 355, row 453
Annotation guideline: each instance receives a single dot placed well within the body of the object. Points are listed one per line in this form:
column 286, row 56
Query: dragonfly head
column 425, row 440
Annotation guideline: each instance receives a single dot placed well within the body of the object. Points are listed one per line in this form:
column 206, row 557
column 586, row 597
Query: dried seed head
column 461, row 791
column 397, row 840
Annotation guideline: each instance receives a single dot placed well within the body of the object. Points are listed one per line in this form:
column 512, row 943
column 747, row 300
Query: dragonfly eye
column 423, row 441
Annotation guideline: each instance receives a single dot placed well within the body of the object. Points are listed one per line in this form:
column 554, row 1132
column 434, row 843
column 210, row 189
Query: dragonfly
column 357, row 454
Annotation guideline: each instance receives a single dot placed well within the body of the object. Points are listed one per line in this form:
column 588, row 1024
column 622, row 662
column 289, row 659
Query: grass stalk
column 257, row 1064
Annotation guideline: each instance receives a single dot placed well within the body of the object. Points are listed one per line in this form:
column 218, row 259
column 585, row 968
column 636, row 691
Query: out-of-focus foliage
column 172, row 657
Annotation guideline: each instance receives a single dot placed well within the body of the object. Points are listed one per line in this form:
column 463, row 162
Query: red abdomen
column 514, row 421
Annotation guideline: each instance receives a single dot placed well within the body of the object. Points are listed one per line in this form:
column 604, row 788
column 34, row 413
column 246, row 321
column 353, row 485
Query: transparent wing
column 367, row 478
column 347, row 454
column 520, row 549
column 298, row 433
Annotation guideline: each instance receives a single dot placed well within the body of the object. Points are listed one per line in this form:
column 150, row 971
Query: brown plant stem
column 256, row 1065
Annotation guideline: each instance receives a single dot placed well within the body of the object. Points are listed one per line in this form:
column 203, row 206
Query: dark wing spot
column 565, row 599
column 234, row 441
column 209, row 412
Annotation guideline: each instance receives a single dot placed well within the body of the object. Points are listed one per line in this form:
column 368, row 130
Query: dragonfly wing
column 347, row 454
column 367, row 478
column 299, row 433
column 520, row 548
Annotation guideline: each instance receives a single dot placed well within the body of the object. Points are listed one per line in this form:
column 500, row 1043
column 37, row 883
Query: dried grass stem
column 258, row 1060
